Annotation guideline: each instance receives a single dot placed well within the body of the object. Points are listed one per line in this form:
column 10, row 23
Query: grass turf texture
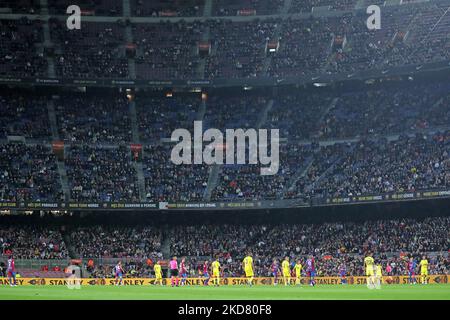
column 322, row 292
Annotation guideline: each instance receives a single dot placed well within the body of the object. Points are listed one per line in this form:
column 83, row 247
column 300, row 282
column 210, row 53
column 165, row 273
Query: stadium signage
column 84, row 205
column 440, row 66
column 436, row 193
column 199, row 82
column 384, row 197
column 232, row 205
column 85, row 82
column 403, row 196
column 184, row 152
column 5, row 282
column 53, row 81
column 357, row 280
column 123, row 82
column 44, row 205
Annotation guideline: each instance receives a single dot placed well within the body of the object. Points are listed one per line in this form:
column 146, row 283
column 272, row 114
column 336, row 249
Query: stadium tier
column 262, row 43
column 335, row 145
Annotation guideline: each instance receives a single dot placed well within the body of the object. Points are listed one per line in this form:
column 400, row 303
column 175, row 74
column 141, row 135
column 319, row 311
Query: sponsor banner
column 246, row 12
column 136, row 205
column 8, row 205
column 435, row 67
column 432, row 279
column 390, row 197
column 443, row 193
column 76, row 205
column 264, row 204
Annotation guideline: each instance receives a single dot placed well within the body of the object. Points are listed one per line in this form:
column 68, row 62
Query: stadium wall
column 352, row 212
column 432, row 279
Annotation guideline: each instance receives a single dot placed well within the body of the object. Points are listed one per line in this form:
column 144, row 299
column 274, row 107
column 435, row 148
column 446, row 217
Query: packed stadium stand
column 103, row 120
column 334, row 243
column 333, row 43
column 98, row 52
column 28, row 173
column 24, row 116
column 18, row 54
column 363, row 142
column 165, row 50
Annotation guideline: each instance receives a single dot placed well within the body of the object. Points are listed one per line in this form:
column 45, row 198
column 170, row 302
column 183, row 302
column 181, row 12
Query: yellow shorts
column 298, row 276
column 423, row 272
column 286, row 273
column 249, row 273
column 369, row 272
column 216, row 274
column 158, row 277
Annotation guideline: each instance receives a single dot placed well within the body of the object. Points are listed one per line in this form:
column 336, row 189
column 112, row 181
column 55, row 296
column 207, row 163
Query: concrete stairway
column 297, row 176
column 207, row 9
column 60, row 164
column 47, row 40
column 137, row 165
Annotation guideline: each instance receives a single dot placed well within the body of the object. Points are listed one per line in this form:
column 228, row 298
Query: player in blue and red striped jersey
column 206, row 273
column 343, row 274
column 118, row 273
column 412, row 271
column 275, row 271
column 311, row 270
column 11, row 271
column 183, row 271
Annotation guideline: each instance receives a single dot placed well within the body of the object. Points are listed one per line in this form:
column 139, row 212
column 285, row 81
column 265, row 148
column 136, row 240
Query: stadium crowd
column 159, row 117
column 412, row 164
column 116, row 242
column 28, row 173
column 97, row 52
column 18, row 55
column 24, row 115
column 333, row 245
column 164, row 50
column 26, row 242
column 101, row 174
column 412, row 34
column 93, row 119
column 333, row 145
column 165, row 181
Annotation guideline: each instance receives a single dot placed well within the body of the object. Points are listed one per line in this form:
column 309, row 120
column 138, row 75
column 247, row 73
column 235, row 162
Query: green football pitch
column 322, row 292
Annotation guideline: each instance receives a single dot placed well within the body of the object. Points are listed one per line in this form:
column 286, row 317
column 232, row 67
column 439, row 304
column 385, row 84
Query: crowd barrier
column 432, row 279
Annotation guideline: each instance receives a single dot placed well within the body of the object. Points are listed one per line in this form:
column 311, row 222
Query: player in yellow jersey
column 215, row 266
column 369, row 268
column 286, row 269
column 298, row 272
column 378, row 276
column 247, row 265
column 423, row 270
column 158, row 273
